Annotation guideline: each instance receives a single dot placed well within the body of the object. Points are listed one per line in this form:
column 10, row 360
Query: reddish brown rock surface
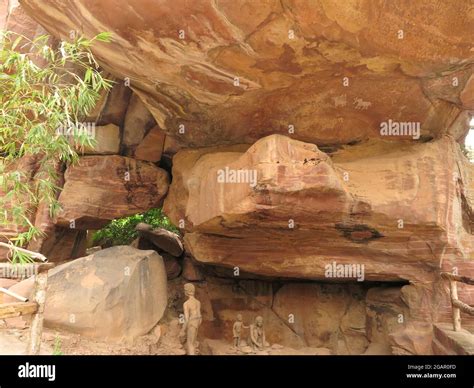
column 14, row 18
column 338, row 322
column 243, row 70
column 101, row 188
column 27, row 168
column 151, row 147
column 397, row 211
column 114, row 105
column 331, row 190
column 138, row 120
column 191, row 271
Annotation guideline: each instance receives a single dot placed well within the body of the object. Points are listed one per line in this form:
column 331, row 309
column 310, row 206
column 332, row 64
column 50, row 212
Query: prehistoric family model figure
column 192, row 320
column 257, row 333
column 237, row 330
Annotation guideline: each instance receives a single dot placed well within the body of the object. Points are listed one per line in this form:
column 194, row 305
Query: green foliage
column 57, row 347
column 45, row 92
column 122, row 231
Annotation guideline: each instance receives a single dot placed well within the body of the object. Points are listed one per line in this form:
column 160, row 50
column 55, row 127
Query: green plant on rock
column 46, row 90
column 122, row 231
column 57, row 350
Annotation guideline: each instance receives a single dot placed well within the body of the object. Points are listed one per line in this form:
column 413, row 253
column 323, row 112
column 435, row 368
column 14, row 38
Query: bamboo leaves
column 45, row 92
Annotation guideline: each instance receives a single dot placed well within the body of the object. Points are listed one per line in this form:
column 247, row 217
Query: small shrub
column 57, row 347
column 122, row 231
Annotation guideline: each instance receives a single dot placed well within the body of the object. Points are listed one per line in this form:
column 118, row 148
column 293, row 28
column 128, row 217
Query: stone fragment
column 151, row 147
column 163, row 239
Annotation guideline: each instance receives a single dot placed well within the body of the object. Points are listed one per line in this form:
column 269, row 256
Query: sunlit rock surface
column 101, row 188
column 296, row 95
column 219, row 72
column 399, row 212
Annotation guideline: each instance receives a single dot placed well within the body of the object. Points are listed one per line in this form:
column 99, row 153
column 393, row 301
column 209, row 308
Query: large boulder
column 99, row 189
column 116, row 293
column 283, row 208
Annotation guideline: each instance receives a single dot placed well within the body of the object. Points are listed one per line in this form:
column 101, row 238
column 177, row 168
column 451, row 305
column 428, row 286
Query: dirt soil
column 162, row 340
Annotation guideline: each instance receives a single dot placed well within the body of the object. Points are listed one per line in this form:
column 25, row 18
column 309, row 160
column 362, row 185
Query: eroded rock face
column 115, row 293
column 151, row 146
column 191, row 271
column 55, row 242
column 296, row 210
column 62, row 244
column 325, row 315
column 114, row 105
column 14, row 18
column 241, row 71
column 138, row 120
column 172, row 266
column 27, row 168
column 327, row 77
column 101, row 188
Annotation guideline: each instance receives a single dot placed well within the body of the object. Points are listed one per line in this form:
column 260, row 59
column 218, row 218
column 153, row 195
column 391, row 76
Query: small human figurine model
column 192, row 319
column 237, row 330
column 257, row 334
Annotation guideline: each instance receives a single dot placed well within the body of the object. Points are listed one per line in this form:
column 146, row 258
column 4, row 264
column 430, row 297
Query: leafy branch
column 46, row 90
